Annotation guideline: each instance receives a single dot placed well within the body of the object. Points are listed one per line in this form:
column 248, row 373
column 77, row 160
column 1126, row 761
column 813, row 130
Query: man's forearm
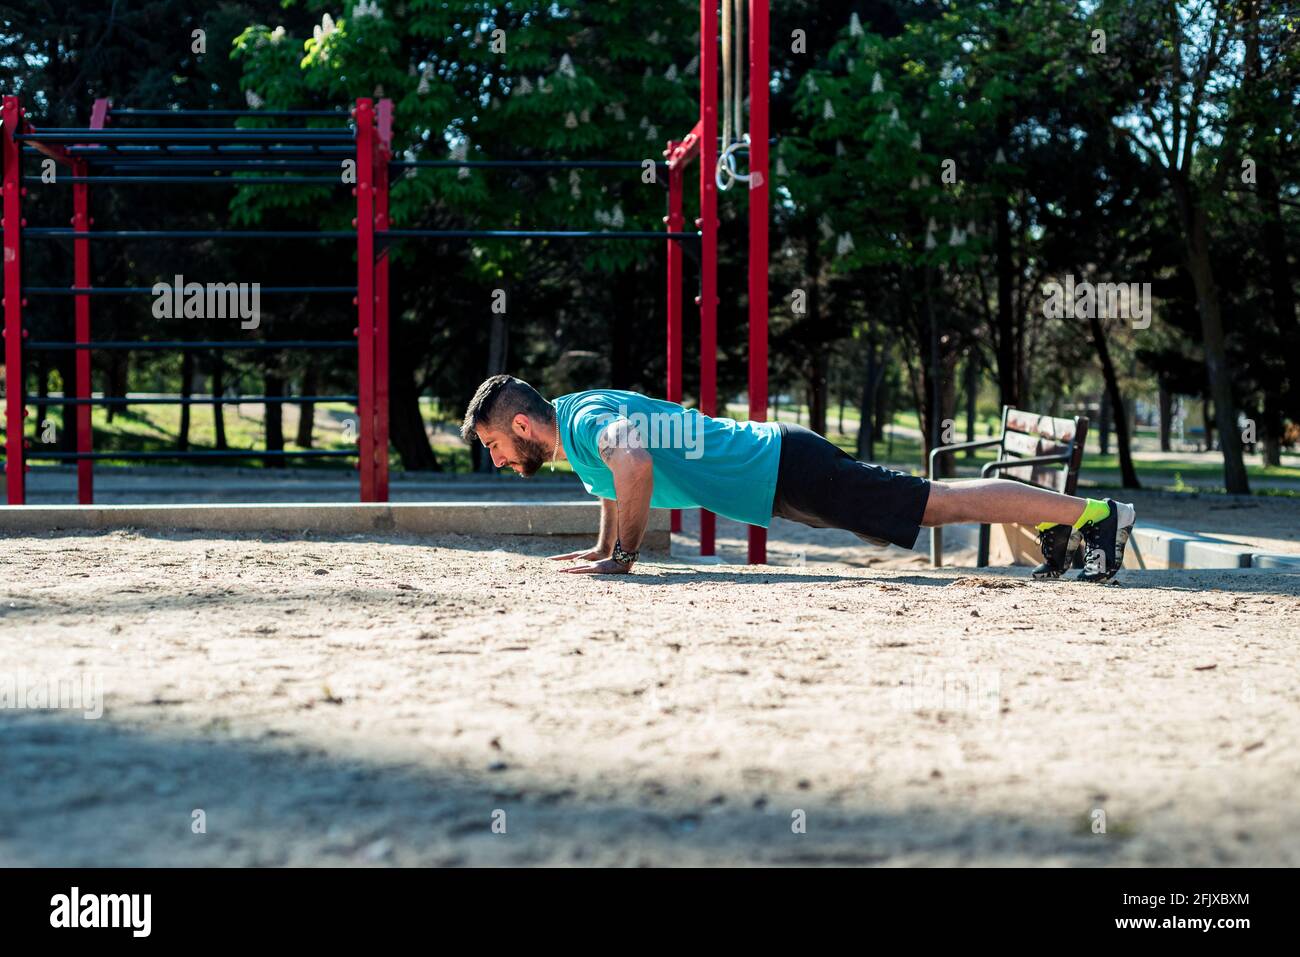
column 608, row 526
column 634, row 489
column 623, row 452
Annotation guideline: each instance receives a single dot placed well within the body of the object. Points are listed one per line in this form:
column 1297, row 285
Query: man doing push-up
column 636, row 453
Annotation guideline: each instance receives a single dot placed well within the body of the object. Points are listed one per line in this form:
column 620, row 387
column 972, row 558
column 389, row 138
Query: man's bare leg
column 998, row 502
column 1064, row 522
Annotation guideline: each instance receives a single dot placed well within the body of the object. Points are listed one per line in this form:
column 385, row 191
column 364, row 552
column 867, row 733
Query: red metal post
column 15, row 385
column 758, row 226
column 708, row 225
column 364, row 114
column 676, row 223
column 385, row 151
column 81, row 280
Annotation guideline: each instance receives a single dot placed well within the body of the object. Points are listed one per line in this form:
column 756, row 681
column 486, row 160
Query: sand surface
column 388, row 701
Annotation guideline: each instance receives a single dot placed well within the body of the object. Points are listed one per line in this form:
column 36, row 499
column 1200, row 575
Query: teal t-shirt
column 724, row 466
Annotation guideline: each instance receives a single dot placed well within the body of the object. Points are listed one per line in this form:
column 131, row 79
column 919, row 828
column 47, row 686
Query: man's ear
column 520, row 425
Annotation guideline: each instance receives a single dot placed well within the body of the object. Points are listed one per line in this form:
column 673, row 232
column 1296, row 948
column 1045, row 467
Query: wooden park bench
column 1035, row 449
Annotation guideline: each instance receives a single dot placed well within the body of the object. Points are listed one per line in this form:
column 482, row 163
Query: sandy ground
column 389, row 701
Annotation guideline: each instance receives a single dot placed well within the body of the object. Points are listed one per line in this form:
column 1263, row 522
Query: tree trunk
column 1104, row 416
column 818, row 393
column 1218, row 371
column 1283, row 393
column 1272, row 443
column 972, row 396
column 405, row 423
column 1207, row 418
column 219, row 389
column 936, row 385
column 307, row 410
column 885, row 412
column 867, row 411
column 885, row 407
column 119, row 377
column 497, row 357
column 1280, row 392
column 1166, row 413
column 948, row 410
column 1008, row 371
column 1128, row 475
column 40, row 406
column 187, row 390
column 67, row 366
column 274, row 420
column 815, row 368
column 622, row 369
column 110, row 383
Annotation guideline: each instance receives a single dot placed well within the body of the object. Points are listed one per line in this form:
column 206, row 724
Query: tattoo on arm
column 620, row 435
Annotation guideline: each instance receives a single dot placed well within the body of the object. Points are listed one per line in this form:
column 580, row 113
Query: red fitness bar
column 702, row 143
column 81, row 279
column 384, row 145
column 365, row 226
column 674, row 221
column 759, row 205
column 708, row 224
column 15, row 412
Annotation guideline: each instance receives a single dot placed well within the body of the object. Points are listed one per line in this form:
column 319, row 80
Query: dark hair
column 499, row 399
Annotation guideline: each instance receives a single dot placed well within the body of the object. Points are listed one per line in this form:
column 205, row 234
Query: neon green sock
column 1094, row 511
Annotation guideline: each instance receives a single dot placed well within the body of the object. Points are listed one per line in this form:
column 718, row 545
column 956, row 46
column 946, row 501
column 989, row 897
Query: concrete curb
column 1275, row 562
column 401, row 518
column 1160, row 546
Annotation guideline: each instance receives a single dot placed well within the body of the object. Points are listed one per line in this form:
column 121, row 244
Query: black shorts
column 821, row 485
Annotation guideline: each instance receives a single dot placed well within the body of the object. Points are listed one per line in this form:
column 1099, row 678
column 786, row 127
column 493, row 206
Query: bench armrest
column 959, row 447
column 1001, row 464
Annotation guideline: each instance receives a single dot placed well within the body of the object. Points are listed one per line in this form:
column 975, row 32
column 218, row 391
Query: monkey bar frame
column 98, row 154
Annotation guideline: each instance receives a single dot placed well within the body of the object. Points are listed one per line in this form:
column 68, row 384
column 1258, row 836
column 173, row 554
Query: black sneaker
column 1058, row 543
column 1104, row 541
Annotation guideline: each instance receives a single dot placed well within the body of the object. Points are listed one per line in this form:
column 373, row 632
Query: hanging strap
column 733, row 94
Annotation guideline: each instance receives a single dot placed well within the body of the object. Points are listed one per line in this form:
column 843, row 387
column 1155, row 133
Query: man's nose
column 498, row 460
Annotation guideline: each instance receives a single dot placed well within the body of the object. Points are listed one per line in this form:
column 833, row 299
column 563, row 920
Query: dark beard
column 531, row 456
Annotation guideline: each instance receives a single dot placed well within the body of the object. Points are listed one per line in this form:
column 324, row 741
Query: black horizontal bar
column 392, row 234
column 235, row 149
column 171, row 345
column 526, row 234
column 226, row 113
column 115, row 132
column 148, row 291
column 188, row 400
column 61, row 233
column 180, row 137
column 324, row 155
column 196, row 180
column 522, row 164
column 144, row 153
column 198, row 454
column 218, row 163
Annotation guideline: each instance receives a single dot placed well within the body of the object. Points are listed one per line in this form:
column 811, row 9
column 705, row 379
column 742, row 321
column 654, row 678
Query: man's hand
column 594, row 555
column 606, row 566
